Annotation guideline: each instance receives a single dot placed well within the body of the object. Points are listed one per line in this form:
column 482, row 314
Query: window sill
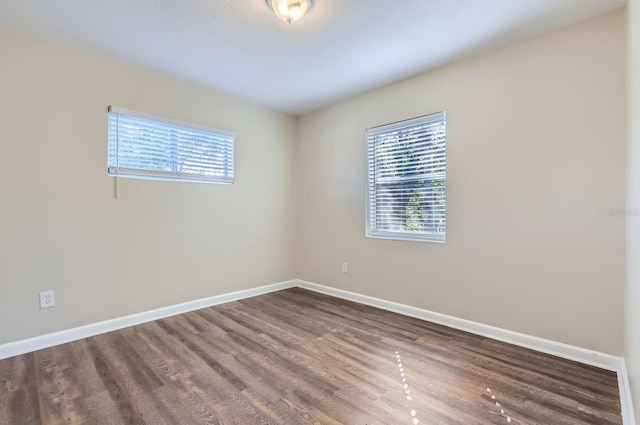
column 436, row 238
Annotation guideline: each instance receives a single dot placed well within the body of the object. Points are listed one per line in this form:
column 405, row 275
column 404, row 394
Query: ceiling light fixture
column 290, row 10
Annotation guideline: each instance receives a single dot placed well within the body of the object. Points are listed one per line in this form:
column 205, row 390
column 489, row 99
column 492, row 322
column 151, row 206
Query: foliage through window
column 406, row 196
column 142, row 146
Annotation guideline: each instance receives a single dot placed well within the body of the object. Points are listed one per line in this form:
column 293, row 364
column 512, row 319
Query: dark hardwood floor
column 297, row 357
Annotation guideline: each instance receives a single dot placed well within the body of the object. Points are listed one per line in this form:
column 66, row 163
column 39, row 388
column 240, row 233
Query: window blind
column 143, row 146
column 406, row 195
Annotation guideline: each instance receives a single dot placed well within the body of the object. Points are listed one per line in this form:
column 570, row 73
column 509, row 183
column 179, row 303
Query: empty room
column 360, row 212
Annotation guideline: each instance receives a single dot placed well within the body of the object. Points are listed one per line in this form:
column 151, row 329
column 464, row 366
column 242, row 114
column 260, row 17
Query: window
column 406, row 196
column 142, row 146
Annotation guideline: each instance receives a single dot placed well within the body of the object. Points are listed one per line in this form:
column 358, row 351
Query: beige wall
column 536, row 145
column 161, row 243
column 536, row 150
column 632, row 328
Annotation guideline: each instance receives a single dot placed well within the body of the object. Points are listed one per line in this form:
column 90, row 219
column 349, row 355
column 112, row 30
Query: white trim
column 582, row 355
column 626, row 401
column 558, row 349
column 50, row 340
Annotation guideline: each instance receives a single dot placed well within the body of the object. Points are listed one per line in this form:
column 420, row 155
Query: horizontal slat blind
column 141, row 146
column 406, row 195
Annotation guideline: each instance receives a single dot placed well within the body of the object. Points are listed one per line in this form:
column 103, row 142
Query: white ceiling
column 340, row 48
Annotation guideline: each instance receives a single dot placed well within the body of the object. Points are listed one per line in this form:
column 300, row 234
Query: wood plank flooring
column 297, row 357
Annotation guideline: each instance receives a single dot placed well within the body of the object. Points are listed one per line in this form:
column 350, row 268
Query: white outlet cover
column 47, row 299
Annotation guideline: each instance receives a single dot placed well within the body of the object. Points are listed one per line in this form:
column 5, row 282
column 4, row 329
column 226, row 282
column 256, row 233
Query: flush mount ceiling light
column 290, row 10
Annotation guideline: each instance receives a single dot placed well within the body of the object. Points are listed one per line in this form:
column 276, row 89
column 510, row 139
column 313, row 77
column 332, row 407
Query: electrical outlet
column 345, row 267
column 47, row 299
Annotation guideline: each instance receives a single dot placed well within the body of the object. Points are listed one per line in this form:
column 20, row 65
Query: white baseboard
column 582, row 355
column 558, row 349
column 50, row 340
column 626, row 400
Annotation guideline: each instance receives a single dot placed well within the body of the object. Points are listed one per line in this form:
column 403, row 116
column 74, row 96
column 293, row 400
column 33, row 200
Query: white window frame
column 193, row 153
column 385, row 148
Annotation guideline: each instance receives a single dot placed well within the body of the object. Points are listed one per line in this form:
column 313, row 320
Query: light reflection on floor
column 407, row 391
column 414, row 414
column 498, row 405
